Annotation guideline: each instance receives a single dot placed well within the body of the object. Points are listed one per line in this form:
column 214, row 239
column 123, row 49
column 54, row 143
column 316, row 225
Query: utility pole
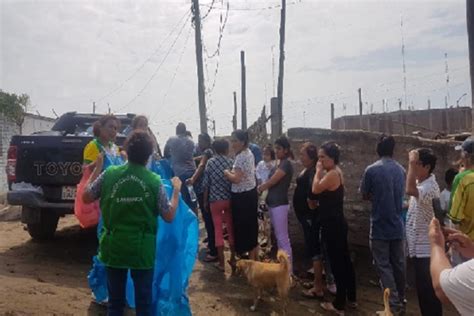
column 108, row 107
column 470, row 33
column 447, row 78
column 200, row 68
column 234, row 118
column 214, row 127
column 281, row 64
column 332, row 115
column 360, row 101
column 243, row 100
column 93, row 107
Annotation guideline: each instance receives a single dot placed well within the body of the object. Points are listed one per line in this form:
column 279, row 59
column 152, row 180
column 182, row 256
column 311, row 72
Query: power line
column 113, row 91
column 157, row 68
column 271, row 7
column 175, row 71
column 208, row 11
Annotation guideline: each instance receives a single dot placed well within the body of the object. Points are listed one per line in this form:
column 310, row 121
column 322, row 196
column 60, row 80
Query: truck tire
column 45, row 228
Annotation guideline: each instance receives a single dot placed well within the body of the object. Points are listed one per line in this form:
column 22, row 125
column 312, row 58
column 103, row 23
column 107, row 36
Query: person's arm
column 411, row 188
column 365, row 186
column 92, row 191
column 461, row 242
column 169, row 214
column 323, row 182
column 439, row 261
column 199, row 171
column 234, row 176
column 279, row 174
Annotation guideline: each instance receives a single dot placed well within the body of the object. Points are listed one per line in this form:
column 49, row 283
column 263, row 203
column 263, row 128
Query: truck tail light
column 11, row 163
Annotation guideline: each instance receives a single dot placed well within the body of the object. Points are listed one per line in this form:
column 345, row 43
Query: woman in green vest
column 131, row 197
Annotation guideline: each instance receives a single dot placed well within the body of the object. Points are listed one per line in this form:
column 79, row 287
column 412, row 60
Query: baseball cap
column 467, row 146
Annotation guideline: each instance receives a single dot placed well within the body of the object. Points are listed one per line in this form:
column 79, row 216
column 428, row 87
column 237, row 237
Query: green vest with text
column 129, row 202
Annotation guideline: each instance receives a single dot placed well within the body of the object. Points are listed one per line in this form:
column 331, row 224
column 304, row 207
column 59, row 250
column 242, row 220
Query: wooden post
column 470, row 33
column 281, row 70
column 234, row 118
column 200, row 68
column 275, row 118
column 243, row 100
column 332, row 115
column 93, row 107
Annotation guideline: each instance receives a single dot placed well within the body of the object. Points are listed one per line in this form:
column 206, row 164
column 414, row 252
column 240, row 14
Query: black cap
column 467, row 146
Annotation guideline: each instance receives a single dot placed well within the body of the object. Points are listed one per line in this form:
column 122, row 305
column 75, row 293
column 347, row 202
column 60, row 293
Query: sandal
column 210, row 258
column 327, row 306
column 219, row 267
column 312, row 294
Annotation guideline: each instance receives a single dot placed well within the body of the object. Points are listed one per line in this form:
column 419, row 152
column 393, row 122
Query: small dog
column 386, row 297
column 263, row 275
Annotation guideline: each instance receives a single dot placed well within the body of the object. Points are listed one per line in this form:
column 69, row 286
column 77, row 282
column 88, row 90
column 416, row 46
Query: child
column 217, row 193
column 446, row 193
column 264, row 168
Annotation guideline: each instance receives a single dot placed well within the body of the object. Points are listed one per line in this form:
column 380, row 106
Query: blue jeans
column 117, row 283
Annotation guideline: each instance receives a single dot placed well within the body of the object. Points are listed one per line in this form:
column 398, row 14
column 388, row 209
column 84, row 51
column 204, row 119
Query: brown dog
column 262, row 275
column 386, row 297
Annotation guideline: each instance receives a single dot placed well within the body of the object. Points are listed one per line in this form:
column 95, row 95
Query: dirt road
column 49, row 278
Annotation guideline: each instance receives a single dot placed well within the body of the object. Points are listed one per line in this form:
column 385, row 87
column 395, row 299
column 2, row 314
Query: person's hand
column 98, row 164
column 319, row 166
column 413, row 156
column 176, row 182
column 312, row 204
column 189, row 181
column 435, row 233
column 461, row 243
column 124, row 155
column 226, row 173
column 260, row 189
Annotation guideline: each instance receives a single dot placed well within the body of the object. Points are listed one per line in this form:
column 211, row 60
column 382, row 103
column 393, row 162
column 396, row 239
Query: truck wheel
column 46, row 226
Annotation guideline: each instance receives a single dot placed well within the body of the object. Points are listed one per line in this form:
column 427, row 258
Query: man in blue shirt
column 383, row 183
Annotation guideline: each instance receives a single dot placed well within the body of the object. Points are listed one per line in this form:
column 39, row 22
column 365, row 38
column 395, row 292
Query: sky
column 139, row 57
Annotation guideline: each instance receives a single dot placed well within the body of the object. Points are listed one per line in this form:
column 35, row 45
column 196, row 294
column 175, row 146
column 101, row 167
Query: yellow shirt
column 462, row 203
column 94, row 148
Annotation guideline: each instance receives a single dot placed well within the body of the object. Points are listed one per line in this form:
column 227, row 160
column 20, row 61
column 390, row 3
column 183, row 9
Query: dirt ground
column 50, row 278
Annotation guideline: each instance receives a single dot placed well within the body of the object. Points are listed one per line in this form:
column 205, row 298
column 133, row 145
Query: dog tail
column 284, row 261
column 386, row 298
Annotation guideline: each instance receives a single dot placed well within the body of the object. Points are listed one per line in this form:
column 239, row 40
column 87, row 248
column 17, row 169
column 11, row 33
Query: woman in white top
column 244, row 200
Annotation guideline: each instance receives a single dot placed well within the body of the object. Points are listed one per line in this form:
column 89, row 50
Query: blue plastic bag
column 162, row 167
column 176, row 252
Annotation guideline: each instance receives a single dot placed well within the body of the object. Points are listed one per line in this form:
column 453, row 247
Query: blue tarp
column 176, row 252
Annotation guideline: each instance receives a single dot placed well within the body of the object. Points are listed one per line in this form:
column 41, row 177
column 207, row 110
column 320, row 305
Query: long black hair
column 332, row 150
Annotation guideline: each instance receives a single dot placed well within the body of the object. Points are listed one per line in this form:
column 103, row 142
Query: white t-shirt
column 458, row 285
column 264, row 169
column 420, row 213
column 444, row 200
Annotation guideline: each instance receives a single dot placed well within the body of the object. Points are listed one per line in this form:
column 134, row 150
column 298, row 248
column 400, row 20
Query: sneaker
column 332, row 288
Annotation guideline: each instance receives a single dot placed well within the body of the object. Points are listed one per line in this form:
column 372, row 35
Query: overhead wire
column 137, row 70
column 157, row 68
column 175, row 72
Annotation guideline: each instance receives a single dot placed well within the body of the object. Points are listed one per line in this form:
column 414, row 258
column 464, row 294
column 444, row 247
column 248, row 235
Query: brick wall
column 7, row 130
column 358, row 151
column 428, row 122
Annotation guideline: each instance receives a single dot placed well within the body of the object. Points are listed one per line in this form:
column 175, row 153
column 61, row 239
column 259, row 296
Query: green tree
column 14, row 106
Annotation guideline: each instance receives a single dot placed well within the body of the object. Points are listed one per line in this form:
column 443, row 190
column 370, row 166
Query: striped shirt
column 420, row 213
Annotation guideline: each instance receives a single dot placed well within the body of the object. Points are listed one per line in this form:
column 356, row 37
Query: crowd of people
column 230, row 184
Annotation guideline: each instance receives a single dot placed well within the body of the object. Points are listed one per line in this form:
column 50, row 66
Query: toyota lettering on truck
column 51, row 163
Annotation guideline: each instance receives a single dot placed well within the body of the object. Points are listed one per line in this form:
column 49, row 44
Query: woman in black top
column 305, row 205
column 328, row 184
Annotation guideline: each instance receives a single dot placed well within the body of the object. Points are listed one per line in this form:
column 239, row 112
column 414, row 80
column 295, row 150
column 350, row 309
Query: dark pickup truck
column 44, row 169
